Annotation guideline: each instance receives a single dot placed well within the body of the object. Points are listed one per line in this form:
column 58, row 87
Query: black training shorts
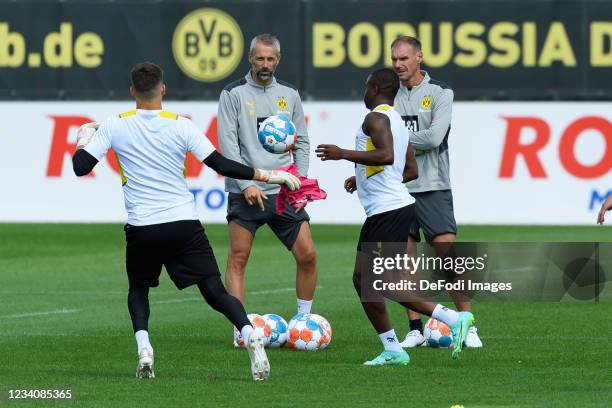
column 181, row 246
column 390, row 226
column 286, row 226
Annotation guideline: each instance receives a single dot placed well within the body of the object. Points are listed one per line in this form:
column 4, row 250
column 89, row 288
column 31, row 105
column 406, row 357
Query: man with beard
column 243, row 105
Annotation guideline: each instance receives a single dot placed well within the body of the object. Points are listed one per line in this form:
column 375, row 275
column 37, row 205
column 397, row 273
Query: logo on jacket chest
column 282, row 103
column 411, row 122
column 426, row 102
column 250, row 106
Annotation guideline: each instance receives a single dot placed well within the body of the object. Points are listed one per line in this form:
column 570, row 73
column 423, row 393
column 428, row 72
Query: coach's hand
column 85, row 134
column 350, row 184
column 606, row 206
column 329, row 152
column 253, row 195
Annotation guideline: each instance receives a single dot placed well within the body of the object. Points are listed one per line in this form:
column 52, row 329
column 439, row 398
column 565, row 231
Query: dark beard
column 264, row 75
column 268, row 74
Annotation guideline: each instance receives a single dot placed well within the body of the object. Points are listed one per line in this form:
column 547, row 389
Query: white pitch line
column 63, row 293
column 255, row 293
column 32, row 314
column 267, row 292
column 159, row 302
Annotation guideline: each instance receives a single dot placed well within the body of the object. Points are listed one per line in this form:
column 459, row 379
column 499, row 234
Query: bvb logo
column 282, row 103
column 207, row 44
column 426, row 102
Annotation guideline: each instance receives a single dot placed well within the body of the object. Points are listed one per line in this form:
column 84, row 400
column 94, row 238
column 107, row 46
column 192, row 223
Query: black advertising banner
column 84, row 50
column 483, row 49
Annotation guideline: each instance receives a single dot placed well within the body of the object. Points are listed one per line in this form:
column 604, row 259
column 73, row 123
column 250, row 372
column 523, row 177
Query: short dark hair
column 387, row 80
column 266, row 39
column 406, row 39
column 146, row 77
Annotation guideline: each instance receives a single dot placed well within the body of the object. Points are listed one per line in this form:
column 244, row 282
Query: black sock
column 217, row 297
column 416, row 324
column 138, row 304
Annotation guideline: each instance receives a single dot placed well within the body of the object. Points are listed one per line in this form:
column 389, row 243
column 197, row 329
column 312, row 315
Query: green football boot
column 390, row 358
column 460, row 330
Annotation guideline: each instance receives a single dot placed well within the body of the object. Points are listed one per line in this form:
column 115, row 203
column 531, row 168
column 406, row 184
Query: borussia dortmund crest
column 282, row 103
column 426, row 102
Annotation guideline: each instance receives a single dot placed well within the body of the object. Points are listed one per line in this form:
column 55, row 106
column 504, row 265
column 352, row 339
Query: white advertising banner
column 511, row 163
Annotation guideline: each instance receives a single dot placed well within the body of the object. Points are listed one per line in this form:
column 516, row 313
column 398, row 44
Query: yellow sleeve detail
column 123, row 178
column 382, row 108
column 372, row 170
column 168, row 115
column 128, row 113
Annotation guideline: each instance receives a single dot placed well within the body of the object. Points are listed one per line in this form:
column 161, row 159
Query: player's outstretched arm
column 82, row 161
column 606, row 206
column 411, row 169
column 378, row 127
column 233, row 169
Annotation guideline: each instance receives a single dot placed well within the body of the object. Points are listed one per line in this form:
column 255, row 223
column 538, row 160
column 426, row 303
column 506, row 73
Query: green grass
column 536, row 354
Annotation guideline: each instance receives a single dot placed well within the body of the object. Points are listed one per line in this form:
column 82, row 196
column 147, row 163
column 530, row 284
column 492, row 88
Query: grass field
column 64, row 324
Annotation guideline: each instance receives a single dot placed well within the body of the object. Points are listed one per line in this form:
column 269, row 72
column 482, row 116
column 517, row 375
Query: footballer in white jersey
column 384, row 161
column 163, row 228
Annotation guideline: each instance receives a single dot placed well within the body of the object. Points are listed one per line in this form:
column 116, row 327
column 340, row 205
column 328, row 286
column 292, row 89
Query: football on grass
column 309, row 332
column 437, row 334
column 277, row 330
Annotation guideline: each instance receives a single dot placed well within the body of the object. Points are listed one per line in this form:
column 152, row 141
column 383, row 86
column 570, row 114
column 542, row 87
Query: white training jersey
column 380, row 188
column 151, row 146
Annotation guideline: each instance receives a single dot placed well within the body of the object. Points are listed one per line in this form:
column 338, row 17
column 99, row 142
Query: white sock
column 445, row 315
column 142, row 340
column 389, row 341
column 245, row 332
column 304, row 306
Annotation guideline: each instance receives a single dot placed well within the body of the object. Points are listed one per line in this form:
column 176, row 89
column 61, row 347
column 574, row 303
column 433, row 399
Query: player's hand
column 85, row 134
column 606, row 206
column 253, row 195
column 329, row 152
column 280, row 177
column 350, row 184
